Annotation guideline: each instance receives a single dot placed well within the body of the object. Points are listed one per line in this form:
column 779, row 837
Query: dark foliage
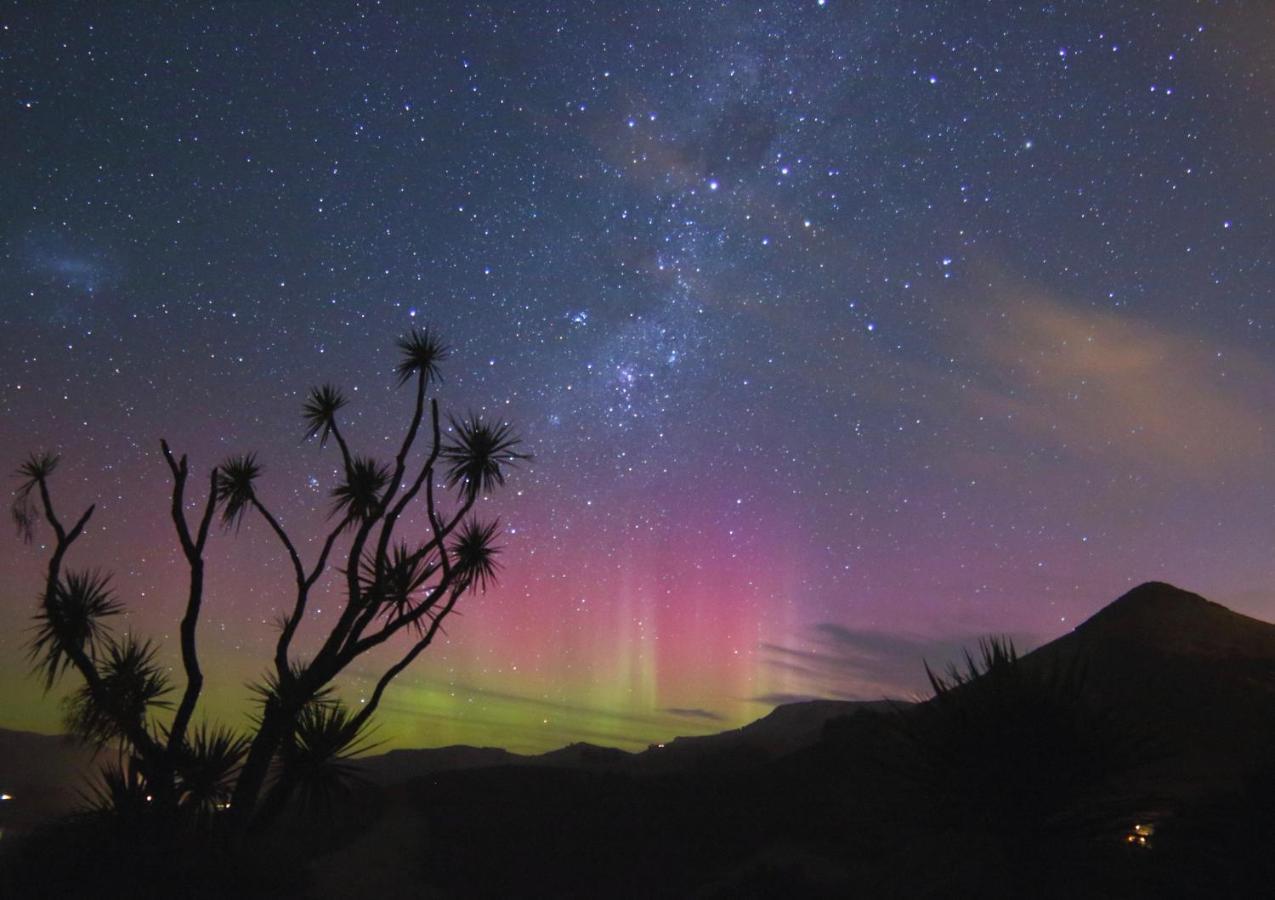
column 207, row 766
column 131, row 683
column 358, row 496
column 422, row 352
column 320, row 410
column 401, row 579
column 34, row 469
column 475, row 553
column 70, row 620
column 479, row 454
column 235, row 480
column 319, row 760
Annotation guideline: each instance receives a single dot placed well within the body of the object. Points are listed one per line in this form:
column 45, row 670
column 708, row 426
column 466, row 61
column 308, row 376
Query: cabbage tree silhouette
column 394, row 587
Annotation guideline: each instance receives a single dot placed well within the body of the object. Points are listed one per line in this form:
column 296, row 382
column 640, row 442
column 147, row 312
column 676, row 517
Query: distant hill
column 785, row 729
column 1196, row 677
column 400, row 765
column 43, row 774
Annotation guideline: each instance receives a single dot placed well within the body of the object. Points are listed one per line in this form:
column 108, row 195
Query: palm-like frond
column 320, row 412
column 37, row 467
column 131, row 683
column 400, row 579
column 997, row 660
column 120, row 791
column 474, row 551
column 235, row 479
column 207, row 766
column 318, row 761
column 478, row 454
column 358, row 496
column 34, row 469
column 70, row 619
column 421, row 352
column 270, row 691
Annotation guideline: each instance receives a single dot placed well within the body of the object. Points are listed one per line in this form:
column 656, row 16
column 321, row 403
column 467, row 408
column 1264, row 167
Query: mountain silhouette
column 1196, row 677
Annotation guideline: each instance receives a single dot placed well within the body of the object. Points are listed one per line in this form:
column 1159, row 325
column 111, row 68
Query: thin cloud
column 694, row 713
column 779, row 699
column 1098, row 384
column 836, row 661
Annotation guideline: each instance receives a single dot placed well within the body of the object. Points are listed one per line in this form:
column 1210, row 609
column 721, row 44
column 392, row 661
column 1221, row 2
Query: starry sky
column 842, row 331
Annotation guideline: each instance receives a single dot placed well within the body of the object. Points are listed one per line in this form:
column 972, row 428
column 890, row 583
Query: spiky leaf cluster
column 121, row 792
column 478, row 454
column 320, row 410
column 234, row 486
column 474, row 553
column 319, row 758
column 422, row 352
column 207, row 766
column 131, row 683
column 271, row 691
column 400, row 578
column 34, row 469
column 996, row 660
column 71, row 621
column 358, row 496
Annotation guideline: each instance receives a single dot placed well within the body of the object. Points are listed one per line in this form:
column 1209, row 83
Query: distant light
column 6, row 796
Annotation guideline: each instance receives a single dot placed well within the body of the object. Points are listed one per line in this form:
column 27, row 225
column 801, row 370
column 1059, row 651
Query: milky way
column 841, row 332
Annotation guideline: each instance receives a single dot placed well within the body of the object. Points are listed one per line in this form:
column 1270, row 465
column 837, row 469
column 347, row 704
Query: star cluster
column 841, row 333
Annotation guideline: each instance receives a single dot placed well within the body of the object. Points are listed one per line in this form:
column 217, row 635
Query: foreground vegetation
column 172, row 780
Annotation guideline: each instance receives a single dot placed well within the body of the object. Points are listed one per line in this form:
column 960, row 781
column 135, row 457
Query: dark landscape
column 1155, row 719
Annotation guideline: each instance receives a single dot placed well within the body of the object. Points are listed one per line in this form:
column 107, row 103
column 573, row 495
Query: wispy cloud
column 779, row 699
column 1106, row 385
column 835, row 661
column 694, row 713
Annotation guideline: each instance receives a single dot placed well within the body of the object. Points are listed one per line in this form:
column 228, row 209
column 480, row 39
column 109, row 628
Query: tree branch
column 426, row 475
column 194, row 551
column 298, row 570
column 82, row 661
column 400, row 461
column 303, row 595
column 391, row 673
column 354, row 644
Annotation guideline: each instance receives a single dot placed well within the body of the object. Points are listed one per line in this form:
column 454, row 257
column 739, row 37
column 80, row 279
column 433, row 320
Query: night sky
column 842, row 332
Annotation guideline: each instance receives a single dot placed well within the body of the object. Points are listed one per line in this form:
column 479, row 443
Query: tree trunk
column 256, row 768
